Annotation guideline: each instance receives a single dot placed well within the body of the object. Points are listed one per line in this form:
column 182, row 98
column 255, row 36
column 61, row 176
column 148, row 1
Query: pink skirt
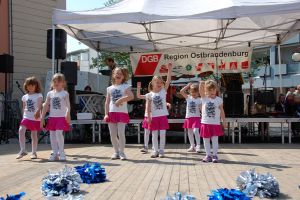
column 159, row 123
column 31, row 125
column 57, row 123
column 192, row 122
column 210, row 130
column 115, row 117
column 145, row 123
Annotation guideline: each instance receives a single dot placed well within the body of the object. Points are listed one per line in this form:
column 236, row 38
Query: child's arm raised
column 201, row 89
column 184, row 89
column 138, row 91
column 169, row 76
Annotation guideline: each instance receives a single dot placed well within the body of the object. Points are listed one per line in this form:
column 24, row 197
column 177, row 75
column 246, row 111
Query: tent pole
column 53, row 48
column 279, row 69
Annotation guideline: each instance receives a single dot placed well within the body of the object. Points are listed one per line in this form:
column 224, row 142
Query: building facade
column 84, row 59
column 27, row 24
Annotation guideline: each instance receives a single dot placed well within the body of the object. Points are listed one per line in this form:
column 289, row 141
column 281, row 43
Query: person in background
column 279, row 106
column 110, row 63
column 297, row 114
column 291, row 91
column 290, row 108
column 297, row 91
column 87, row 88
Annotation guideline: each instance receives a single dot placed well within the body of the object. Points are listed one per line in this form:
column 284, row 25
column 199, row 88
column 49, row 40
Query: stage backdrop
column 192, row 62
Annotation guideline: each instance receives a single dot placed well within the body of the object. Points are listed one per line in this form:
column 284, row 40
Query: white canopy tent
column 161, row 25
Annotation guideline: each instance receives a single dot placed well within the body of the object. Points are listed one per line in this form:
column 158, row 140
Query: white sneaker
column 62, row 157
column 154, row 154
column 21, row 154
column 198, row 149
column 115, row 156
column 53, row 157
column 123, row 156
column 33, row 156
column 161, row 154
column 144, row 150
column 191, row 149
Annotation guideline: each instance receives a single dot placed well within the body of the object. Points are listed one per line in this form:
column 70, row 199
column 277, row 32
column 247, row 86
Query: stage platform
column 141, row 177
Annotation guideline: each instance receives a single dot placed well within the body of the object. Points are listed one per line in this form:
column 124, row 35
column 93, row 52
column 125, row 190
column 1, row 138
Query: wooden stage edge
column 141, row 177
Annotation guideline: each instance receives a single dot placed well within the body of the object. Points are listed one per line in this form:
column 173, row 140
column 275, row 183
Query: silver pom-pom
column 262, row 185
column 61, row 183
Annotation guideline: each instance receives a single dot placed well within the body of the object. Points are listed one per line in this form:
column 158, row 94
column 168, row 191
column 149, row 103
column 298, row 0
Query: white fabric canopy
column 151, row 25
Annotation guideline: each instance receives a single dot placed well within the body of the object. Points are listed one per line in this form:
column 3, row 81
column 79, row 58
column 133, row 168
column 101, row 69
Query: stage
column 143, row 178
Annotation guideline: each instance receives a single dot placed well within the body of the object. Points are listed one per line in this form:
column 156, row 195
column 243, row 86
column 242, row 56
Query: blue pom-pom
column 61, row 183
column 91, row 173
column 13, row 197
column 227, row 194
column 179, row 196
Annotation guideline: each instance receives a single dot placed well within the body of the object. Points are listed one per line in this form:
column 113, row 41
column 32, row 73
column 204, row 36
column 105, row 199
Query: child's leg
column 53, row 142
column 197, row 137
column 34, row 141
column 146, row 137
column 22, row 131
column 155, row 140
column 113, row 130
column 215, row 144
column 191, row 137
column 121, row 136
column 162, row 135
column 206, row 142
column 60, row 141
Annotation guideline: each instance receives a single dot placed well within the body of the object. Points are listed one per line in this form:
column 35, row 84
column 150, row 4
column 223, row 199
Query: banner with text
column 192, row 62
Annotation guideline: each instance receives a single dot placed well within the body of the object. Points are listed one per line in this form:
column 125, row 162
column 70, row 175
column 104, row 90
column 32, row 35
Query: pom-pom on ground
column 91, row 173
column 13, row 197
column 262, row 185
column 227, row 194
column 61, row 183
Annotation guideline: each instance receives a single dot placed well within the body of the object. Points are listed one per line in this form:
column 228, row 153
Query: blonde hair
column 32, row 81
column 150, row 86
column 60, row 78
column 124, row 72
column 210, row 85
column 194, row 88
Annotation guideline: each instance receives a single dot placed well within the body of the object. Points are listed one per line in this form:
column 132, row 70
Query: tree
column 111, row 2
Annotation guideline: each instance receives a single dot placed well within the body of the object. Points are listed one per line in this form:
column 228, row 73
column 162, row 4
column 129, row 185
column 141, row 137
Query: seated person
column 279, row 106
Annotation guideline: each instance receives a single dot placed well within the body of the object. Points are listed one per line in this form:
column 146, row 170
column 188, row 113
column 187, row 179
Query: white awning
column 151, row 25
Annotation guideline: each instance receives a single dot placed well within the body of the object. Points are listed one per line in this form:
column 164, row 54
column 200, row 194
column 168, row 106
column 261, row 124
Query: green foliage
column 120, row 58
column 111, row 2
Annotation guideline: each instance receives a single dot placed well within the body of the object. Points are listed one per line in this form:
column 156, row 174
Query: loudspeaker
column 145, row 80
column 233, row 104
column 6, row 63
column 60, row 44
column 265, row 97
column 69, row 69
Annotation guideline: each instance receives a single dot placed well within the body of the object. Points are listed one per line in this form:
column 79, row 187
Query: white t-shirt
column 31, row 105
column 158, row 103
column 211, row 113
column 192, row 107
column 116, row 92
column 58, row 103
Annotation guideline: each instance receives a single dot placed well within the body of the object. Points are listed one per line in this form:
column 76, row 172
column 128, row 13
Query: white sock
column 155, row 140
column 162, row 144
column 146, row 137
column 206, row 142
column 215, row 145
column 53, row 142
column 121, row 136
column 197, row 136
column 191, row 137
column 60, row 141
column 34, row 141
column 22, row 139
column 113, row 131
